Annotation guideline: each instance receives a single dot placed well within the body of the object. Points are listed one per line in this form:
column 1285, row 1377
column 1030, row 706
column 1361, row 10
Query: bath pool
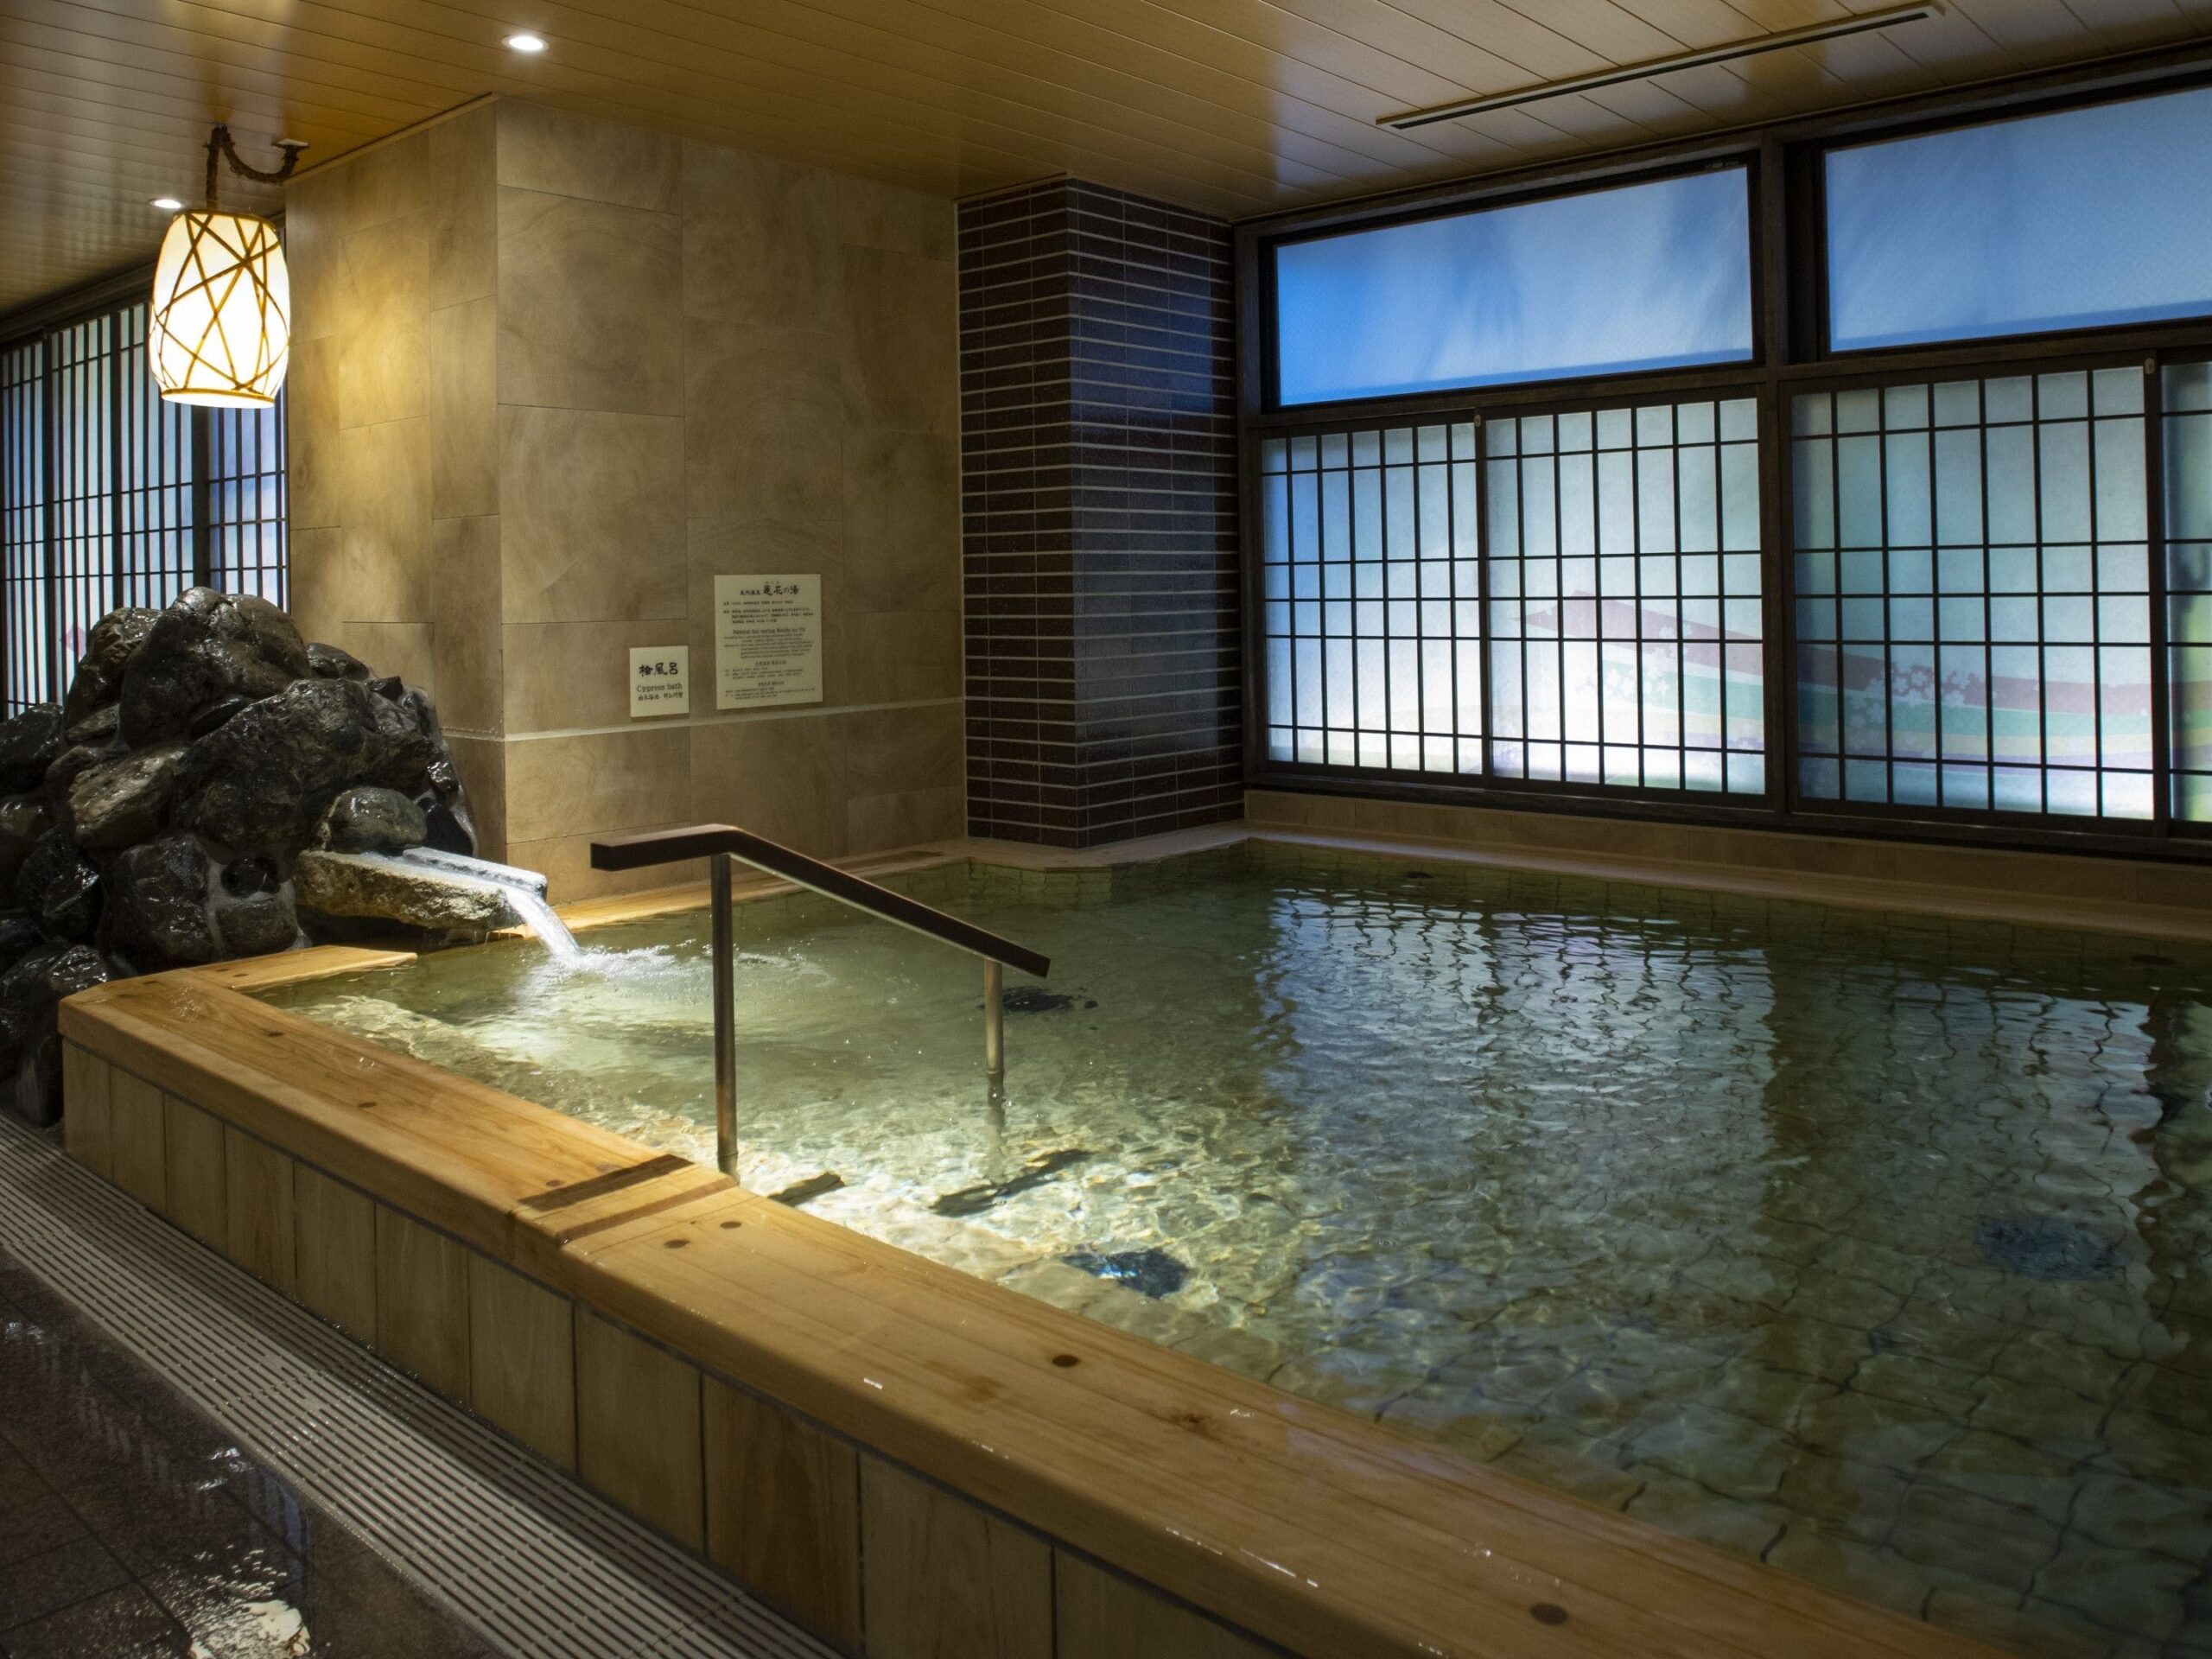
column 1873, row 1245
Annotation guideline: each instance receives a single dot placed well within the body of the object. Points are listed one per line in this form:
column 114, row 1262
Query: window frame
column 40, row 327
column 1857, row 817
column 1790, row 353
column 1488, row 787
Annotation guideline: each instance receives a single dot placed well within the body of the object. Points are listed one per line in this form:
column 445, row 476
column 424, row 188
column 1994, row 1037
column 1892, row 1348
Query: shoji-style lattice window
column 1566, row 598
column 1623, row 572
column 22, row 520
column 1371, row 612
column 1973, row 613
column 108, row 496
column 246, row 503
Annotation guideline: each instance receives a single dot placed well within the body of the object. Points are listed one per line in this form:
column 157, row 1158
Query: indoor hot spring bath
column 1871, row 1245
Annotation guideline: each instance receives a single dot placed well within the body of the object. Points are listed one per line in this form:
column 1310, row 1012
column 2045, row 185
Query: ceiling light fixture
column 1811, row 35
column 220, row 328
column 526, row 43
column 167, row 204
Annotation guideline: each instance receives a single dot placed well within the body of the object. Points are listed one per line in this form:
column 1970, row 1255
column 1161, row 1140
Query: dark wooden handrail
column 705, row 840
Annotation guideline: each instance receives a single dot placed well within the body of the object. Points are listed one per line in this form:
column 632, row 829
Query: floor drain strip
column 531, row 1562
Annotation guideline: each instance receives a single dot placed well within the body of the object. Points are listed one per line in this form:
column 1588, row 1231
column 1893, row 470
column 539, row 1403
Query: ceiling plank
column 1234, row 107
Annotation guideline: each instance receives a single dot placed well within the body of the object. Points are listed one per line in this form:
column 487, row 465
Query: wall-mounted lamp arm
column 221, row 148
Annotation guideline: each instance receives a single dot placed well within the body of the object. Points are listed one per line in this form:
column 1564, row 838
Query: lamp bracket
column 220, row 147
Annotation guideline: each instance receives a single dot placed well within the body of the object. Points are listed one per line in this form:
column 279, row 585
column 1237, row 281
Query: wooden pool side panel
column 883, row 1409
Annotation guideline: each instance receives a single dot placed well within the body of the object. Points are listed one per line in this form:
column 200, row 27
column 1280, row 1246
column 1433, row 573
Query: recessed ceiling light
column 167, row 204
column 527, row 42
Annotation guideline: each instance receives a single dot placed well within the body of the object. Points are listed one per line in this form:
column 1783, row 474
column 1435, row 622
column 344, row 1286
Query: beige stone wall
column 552, row 375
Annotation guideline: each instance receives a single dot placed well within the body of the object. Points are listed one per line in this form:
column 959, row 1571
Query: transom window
column 2085, row 217
column 1510, row 293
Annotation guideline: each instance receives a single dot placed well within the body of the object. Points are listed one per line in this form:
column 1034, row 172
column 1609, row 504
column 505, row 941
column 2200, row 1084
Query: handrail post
column 994, row 1024
column 725, row 1017
column 721, row 843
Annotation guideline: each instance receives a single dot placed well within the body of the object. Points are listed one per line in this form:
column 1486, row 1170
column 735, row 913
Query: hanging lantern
column 219, row 329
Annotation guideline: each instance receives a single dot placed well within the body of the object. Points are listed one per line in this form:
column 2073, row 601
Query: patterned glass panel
column 1624, row 597
column 1371, row 626
column 1973, row 610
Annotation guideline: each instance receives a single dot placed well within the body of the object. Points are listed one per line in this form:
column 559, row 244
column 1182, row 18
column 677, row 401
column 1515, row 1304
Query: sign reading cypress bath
column 660, row 681
column 767, row 640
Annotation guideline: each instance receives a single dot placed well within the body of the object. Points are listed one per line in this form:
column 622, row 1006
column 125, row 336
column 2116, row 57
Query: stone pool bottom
column 1874, row 1246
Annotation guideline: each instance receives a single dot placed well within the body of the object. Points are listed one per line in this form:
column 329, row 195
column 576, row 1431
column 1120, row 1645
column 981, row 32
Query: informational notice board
column 660, row 681
column 767, row 640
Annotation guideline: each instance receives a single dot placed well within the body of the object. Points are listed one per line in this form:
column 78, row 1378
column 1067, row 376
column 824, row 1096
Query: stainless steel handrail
column 718, row 843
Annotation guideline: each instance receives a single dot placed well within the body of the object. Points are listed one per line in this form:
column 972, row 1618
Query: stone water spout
column 428, row 889
column 155, row 816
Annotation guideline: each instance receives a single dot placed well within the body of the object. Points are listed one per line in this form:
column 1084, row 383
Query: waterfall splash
column 524, row 891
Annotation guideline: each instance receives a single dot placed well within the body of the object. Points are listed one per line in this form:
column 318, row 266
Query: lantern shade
column 219, row 329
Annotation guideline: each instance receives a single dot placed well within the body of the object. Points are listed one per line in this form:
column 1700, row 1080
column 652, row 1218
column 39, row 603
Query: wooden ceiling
column 1234, row 106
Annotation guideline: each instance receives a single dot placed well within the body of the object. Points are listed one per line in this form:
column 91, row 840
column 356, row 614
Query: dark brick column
column 1099, row 515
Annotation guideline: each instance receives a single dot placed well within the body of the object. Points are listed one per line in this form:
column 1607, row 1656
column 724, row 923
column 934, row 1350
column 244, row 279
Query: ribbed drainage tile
column 528, row 1559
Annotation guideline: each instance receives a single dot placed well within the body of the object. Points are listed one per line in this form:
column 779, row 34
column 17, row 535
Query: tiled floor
column 130, row 1524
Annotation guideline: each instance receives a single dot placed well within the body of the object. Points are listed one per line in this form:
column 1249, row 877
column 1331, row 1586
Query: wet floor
column 130, row 1524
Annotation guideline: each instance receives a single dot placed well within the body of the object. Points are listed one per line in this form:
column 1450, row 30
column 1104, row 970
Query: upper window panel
column 1647, row 275
column 2079, row 219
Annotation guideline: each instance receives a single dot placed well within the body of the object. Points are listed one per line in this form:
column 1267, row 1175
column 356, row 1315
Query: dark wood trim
column 201, row 428
column 2015, row 831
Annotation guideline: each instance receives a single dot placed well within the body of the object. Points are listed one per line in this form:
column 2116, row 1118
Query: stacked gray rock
column 152, row 819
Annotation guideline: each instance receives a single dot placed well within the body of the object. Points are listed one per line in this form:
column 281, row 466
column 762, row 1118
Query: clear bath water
column 1878, row 1247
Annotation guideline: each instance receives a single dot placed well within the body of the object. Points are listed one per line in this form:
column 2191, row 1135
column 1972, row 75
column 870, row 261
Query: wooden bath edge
column 709, row 1358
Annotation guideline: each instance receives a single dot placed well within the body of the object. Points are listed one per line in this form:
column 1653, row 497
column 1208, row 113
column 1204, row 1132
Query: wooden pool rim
column 908, row 1460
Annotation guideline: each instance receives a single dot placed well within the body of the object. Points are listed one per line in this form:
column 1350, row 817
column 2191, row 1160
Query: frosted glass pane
column 1639, row 651
column 2081, row 218
column 1639, row 276
column 1367, row 543
column 1932, row 662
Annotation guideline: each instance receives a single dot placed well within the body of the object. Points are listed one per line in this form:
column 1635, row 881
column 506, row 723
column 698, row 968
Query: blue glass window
column 1644, row 276
column 2079, row 219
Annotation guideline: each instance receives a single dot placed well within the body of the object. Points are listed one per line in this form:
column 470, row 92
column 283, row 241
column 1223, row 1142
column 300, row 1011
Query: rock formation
column 157, row 817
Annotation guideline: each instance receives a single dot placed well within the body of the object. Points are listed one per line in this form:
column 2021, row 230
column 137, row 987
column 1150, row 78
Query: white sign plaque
column 660, row 681
column 767, row 640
